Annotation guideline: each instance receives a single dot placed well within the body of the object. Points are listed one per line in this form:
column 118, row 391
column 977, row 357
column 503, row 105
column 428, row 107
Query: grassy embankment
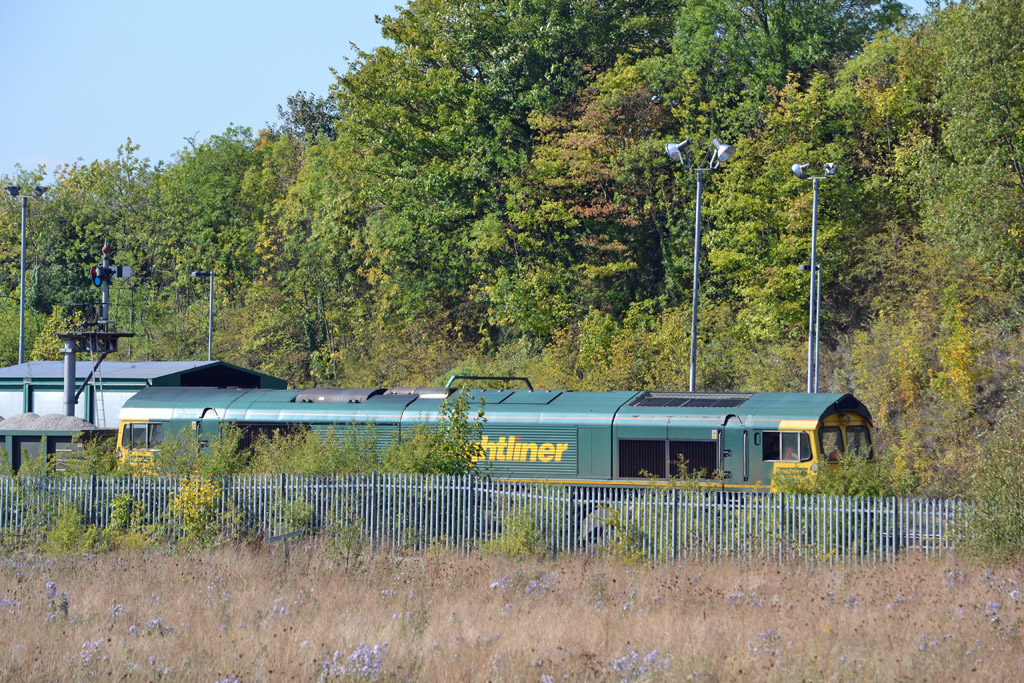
column 252, row 612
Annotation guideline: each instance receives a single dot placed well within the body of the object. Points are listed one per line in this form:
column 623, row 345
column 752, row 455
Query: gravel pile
column 43, row 423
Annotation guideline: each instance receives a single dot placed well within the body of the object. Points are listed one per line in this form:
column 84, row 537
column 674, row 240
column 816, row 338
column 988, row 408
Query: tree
column 308, row 117
column 726, row 54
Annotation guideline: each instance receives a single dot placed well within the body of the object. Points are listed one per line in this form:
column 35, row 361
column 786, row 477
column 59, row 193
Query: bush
column 452, row 446
column 68, row 534
column 995, row 519
column 98, row 456
column 348, row 450
column 853, row 475
column 520, row 538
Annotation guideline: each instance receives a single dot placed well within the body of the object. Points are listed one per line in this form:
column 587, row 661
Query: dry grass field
column 256, row 613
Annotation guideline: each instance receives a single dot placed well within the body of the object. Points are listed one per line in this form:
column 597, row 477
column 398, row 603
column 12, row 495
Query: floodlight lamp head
column 723, row 152
column 800, row 170
column 677, row 150
column 39, row 190
column 13, row 190
column 830, row 168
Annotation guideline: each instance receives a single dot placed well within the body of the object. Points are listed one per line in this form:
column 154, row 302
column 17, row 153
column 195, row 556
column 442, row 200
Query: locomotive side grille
column 685, row 399
column 641, row 457
column 698, row 456
column 250, row 431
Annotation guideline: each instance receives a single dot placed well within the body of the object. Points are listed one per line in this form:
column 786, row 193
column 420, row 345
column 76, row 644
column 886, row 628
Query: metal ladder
column 97, row 391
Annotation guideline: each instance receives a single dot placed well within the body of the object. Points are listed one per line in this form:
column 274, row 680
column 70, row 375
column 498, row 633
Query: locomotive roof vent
column 328, row 395
column 418, row 392
column 686, row 399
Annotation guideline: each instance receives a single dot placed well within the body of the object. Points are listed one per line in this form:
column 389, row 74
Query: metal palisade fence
column 413, row 512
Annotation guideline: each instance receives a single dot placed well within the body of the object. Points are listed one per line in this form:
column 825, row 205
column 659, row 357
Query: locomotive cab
column 138, row 441
column 801, row 453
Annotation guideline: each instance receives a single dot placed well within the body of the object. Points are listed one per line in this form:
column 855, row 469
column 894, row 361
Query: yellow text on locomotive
column 513, row 449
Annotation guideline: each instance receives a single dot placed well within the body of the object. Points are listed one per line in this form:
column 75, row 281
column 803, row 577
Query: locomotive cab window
column 142, row 435
column 832, row 443
column 859, row 437
column 786, row 447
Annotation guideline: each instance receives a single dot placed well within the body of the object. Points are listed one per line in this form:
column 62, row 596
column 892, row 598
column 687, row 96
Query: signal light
column 100, row 275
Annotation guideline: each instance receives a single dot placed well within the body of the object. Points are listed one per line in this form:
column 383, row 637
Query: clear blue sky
column 80, row 78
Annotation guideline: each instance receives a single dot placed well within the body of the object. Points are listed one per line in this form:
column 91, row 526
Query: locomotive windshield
column 859, row 437
column 832, row 443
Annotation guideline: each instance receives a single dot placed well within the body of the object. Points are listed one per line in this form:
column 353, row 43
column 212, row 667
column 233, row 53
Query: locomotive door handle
column 746, row 458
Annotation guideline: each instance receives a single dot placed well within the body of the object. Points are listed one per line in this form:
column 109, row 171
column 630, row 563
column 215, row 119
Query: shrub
column 193, row 511
column 98, row 456
column 338, row 450
column 853, row 475
column 68, row 534
column 520, row 538
column 995, row 519
column 451, row 446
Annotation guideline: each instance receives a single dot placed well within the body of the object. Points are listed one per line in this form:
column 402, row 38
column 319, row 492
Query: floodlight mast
column 682, row 153
column 209, row 333
column 813, row 317
column 14, row 191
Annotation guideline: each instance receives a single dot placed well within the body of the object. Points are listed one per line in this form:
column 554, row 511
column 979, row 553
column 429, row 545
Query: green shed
column 38, row 386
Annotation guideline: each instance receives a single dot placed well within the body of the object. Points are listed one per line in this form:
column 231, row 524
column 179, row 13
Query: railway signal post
column 97, row 336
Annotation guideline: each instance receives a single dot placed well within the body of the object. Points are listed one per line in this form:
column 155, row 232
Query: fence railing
column 412, row 512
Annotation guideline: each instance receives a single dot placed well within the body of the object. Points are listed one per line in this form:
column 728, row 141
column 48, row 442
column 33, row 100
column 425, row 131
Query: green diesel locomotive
column 737, row 440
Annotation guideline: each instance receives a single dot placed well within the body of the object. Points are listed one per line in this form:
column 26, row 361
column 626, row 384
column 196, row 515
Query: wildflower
column 91, row 652
column 159, row 627
column 365, row 663
column 51, row 589
column 765, row 643
column 633, row 667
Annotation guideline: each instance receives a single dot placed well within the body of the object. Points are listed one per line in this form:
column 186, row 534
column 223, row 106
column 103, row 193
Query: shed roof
column 189, row 373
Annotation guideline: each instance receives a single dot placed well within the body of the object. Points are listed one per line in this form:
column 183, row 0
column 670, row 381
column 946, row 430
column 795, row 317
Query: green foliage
column 520, row 538
column 455, row 443
column 622, row 534
column 68, row 534
column 351, row 450
column 193, row 512
column 451, row 446
column 345, row 538
column 129, row 528
column 995, row 522
column 295, row 515
column 852, row 475
column 98, row 456
column 179, row 454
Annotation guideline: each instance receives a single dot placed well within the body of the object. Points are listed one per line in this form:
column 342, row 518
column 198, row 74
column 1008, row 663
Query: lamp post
column 14, row 191
column 800, row 171
column 817, row 318
column 681, row 152
column 209, row 341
